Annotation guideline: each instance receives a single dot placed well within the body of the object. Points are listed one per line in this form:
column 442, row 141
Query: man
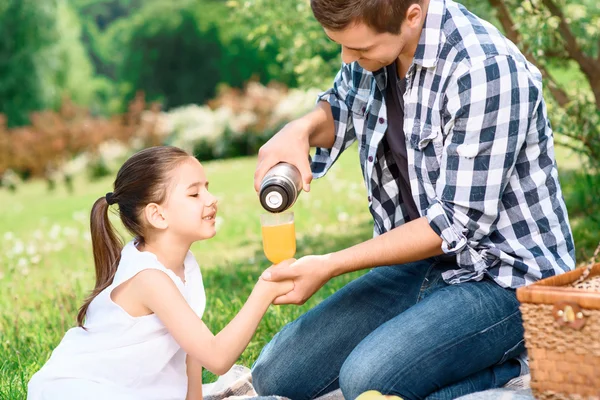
column 457, row 155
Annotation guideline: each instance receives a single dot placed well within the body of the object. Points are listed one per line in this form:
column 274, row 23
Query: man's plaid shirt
column 480, row 150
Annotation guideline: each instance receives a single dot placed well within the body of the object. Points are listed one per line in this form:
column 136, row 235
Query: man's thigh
column 454, row 332
column 304, row 359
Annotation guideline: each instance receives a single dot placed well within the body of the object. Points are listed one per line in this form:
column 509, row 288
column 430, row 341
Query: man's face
column 373, row 50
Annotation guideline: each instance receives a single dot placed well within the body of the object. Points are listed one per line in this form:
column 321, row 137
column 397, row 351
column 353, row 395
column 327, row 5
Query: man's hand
column 309, row 274
column 291, row 145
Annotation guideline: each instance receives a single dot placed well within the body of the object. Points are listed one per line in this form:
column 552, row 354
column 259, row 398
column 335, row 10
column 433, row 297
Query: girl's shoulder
column 134, row 261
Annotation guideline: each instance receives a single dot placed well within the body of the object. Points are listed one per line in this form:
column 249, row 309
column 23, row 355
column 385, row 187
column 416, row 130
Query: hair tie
column 109, row 198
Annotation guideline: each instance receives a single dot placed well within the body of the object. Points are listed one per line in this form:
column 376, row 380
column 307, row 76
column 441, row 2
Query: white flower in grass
column 343, row 217
column 18, row 247
column 58, row 246
column 80, row 216
column 8, row 236
column 24, row 271
column 338, row 186
column 318, row 228
column 218, row 222
column 87, row 236
column 31, row 250
column 354, row 196
column 70, row 232
column 54, row 232
column 38, row 234
column 36, row 259
column 22, row 263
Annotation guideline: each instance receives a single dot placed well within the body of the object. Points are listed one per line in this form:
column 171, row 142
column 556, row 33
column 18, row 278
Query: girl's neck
column 170, row 253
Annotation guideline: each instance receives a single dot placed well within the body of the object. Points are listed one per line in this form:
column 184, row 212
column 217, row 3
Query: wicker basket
column 561, row 316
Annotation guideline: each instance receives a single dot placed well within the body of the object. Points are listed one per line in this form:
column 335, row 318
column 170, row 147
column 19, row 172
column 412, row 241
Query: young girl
column 140, row 333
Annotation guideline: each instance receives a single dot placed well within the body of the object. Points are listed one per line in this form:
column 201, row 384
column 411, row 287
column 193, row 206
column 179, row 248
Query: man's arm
column 321, row 126
column 328, row 127
column 412, row 241
column 489, row 107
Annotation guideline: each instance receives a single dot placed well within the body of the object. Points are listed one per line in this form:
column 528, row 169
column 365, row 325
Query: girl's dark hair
column 142, row 180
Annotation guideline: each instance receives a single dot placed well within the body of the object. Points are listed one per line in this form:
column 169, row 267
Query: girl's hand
column 273, row 289
column 309, row 274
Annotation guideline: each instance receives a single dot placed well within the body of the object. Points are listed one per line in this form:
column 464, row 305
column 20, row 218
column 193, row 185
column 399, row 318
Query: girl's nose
column 211, row 200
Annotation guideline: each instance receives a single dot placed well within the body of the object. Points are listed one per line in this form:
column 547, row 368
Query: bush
column 581, row 192
column 50, row 145
column 237, row 122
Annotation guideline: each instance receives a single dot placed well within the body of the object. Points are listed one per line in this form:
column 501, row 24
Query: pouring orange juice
column 279, row 236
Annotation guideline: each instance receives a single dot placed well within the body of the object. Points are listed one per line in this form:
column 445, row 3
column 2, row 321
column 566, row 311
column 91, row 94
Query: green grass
column 43, row 284
column 46, row 264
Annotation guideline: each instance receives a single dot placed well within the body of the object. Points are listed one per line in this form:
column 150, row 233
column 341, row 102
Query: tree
column 566, row 34
column 166, row 53
column 560, row 36
column 40, row 57
column 303, row 50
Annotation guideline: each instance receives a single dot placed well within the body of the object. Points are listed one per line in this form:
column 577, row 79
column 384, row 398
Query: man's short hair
column 383, row 16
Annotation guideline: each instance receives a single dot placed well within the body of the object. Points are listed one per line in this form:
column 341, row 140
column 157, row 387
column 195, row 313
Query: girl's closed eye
column 195, row 195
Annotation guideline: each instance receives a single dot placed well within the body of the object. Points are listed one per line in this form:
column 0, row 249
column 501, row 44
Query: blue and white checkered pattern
column 480, row 150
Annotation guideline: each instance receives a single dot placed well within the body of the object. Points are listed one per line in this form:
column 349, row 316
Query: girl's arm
column 194, row 374
column 216, row 353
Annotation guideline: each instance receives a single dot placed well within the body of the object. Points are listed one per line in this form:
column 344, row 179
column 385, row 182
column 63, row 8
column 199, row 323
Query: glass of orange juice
column 279, row 236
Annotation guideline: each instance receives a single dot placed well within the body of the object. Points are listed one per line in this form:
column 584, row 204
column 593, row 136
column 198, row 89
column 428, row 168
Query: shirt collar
column 430, row 41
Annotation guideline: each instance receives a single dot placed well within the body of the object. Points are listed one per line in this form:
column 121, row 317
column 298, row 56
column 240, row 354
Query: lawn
column 46, row 264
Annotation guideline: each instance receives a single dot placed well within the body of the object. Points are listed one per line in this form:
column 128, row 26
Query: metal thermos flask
column 280, row 187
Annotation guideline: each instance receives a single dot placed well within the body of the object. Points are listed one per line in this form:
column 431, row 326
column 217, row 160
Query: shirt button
column 381, row 120
column 369, row 198
column 364, row 109
column 370, row 158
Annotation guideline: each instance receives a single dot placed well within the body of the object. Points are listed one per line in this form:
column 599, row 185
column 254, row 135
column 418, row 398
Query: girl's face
column 190, row 210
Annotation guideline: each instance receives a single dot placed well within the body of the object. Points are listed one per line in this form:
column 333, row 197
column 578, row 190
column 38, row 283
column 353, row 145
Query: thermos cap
column 280, row 188
column 274, row 197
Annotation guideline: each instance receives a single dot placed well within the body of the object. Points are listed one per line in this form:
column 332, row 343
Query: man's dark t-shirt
column 395, row 137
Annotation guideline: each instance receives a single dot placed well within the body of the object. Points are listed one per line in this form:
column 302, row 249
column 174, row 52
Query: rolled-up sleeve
column 488, row 110
column 344, row 129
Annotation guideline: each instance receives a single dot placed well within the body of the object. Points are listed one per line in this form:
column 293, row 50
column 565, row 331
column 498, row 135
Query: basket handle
column 589, row 267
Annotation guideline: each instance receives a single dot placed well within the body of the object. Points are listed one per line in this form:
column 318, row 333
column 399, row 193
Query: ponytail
column 141, row 180
column 107, row 251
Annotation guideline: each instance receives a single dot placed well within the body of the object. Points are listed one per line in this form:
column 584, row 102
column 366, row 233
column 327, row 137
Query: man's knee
column 264, row 376
column 358, row 376
column 362, row 372
column 273, row 373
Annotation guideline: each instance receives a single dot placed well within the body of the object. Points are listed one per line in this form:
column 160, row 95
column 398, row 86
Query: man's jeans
column 400, row 330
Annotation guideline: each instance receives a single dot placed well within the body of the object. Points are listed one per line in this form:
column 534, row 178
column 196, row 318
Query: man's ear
column 155, row 216
column 414, row 15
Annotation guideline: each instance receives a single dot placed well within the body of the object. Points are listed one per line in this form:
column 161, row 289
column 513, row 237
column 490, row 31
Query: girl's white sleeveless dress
column 120, row 356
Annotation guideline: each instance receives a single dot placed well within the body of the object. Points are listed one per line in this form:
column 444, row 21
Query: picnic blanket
column 236, row 384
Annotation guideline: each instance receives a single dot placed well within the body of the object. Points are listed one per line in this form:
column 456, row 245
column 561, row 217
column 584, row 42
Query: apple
column 375, row 395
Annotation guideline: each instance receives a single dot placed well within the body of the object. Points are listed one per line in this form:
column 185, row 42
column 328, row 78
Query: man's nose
column 349, row 56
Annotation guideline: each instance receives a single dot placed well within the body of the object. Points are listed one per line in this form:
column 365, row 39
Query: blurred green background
column 85, row 83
